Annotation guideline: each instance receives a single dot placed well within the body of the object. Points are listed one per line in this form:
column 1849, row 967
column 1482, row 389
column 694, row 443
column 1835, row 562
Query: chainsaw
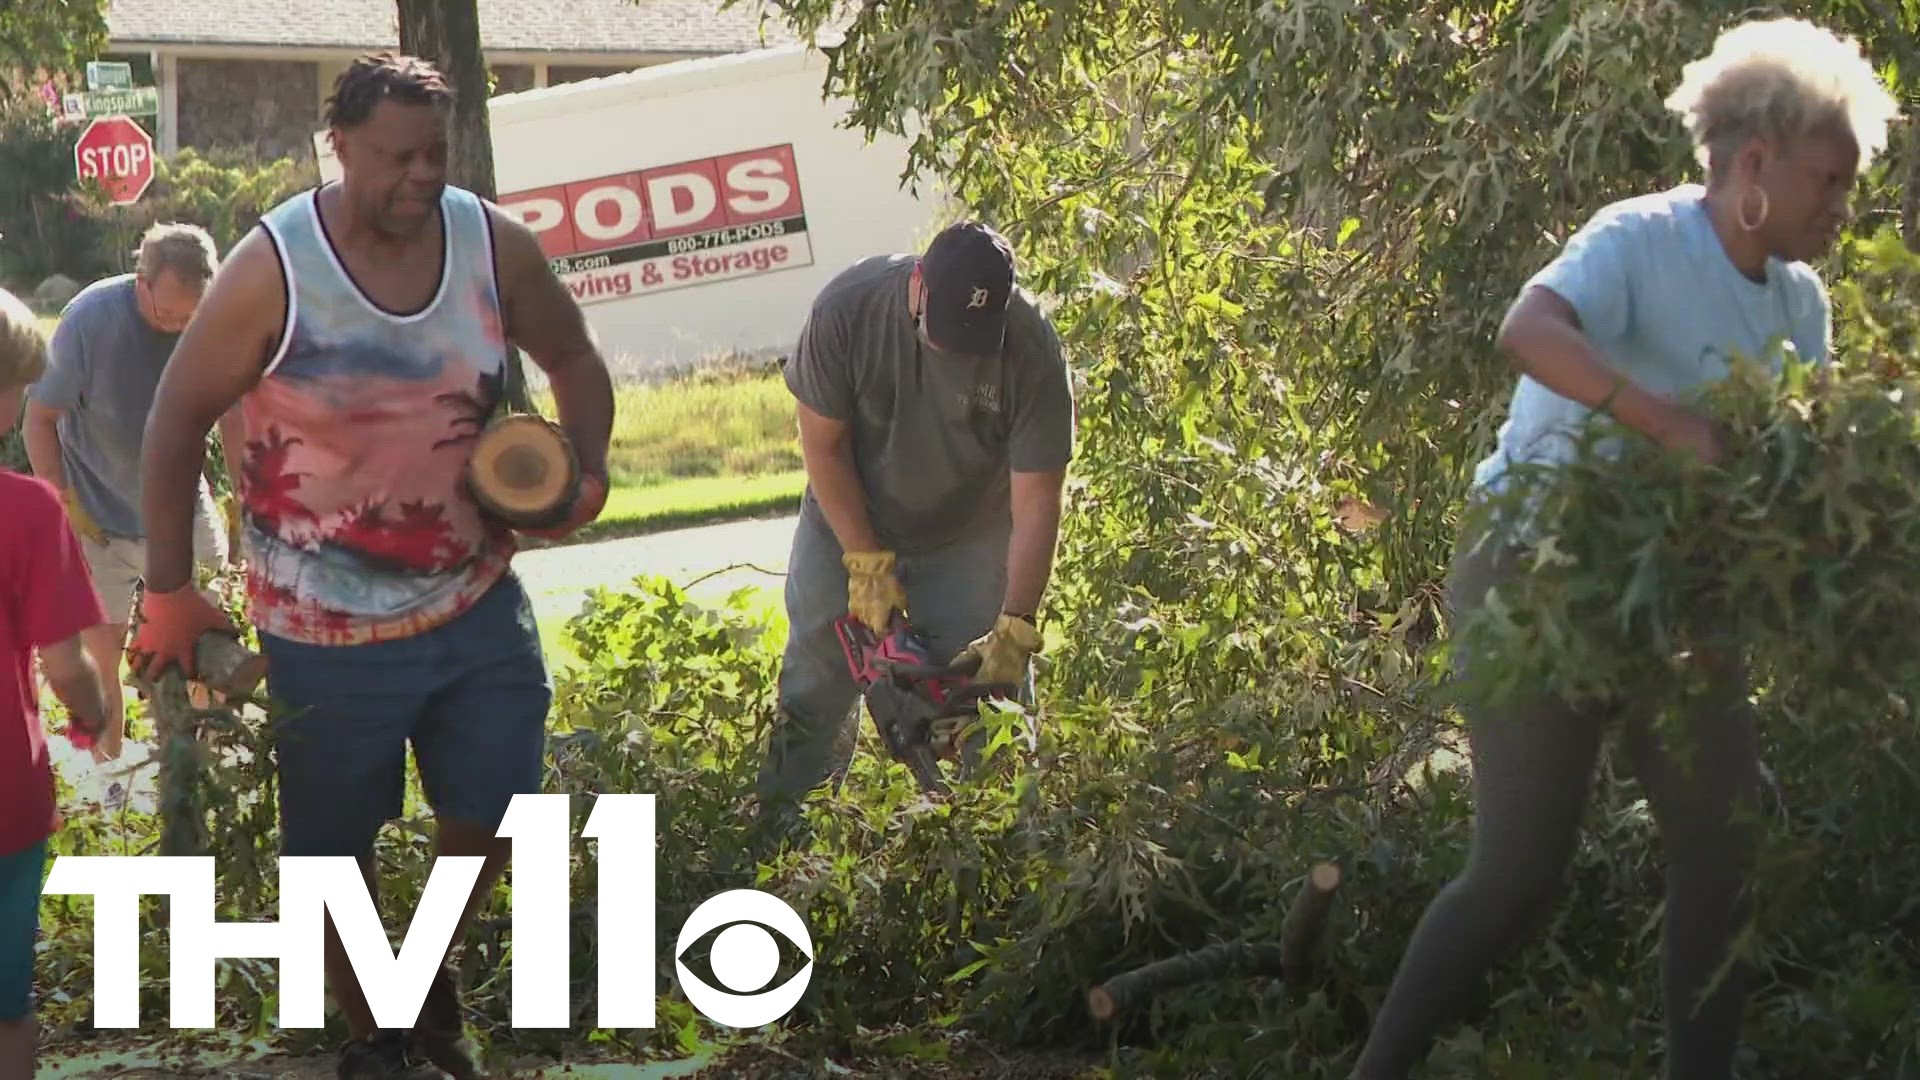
column 909, row 693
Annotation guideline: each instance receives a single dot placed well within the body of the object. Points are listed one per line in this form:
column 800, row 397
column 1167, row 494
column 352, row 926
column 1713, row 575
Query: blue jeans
column 21, row 875
column 471, row 696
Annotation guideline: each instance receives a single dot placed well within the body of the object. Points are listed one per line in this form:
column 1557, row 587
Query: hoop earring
column 1764, row 207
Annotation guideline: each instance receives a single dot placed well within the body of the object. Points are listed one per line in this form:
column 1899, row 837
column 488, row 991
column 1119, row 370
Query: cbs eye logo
column 744, row 955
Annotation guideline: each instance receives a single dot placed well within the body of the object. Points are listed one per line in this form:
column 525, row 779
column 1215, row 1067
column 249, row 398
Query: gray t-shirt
column 933, row 437
column 103, row 367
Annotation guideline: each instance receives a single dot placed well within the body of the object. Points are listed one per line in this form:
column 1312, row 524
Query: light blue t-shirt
column 1661, row 301
column 103, row 369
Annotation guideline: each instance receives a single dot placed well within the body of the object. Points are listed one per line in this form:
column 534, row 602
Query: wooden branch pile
column 1292, row 958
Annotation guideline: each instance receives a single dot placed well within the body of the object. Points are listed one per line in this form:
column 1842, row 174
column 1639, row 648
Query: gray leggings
column 1532, row 769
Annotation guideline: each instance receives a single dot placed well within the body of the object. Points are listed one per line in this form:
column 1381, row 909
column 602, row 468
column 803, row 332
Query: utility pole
column 447, row 32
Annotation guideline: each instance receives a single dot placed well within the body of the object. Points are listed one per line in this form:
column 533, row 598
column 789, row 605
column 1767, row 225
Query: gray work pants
column 954, row 594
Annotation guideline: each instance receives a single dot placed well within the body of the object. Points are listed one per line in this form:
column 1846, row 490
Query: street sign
column 109, row 75
column 138, row 101
column 116, row 152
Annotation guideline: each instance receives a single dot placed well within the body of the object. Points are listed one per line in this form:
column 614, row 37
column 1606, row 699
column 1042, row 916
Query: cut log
column 227, row 667
column 1291, row 959
column 222, row 665
column 523, row 471
column 1225, row 960
column 1300, row 932
column 220, row 662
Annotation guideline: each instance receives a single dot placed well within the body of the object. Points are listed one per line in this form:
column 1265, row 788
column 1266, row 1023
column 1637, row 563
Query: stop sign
column 116, row 152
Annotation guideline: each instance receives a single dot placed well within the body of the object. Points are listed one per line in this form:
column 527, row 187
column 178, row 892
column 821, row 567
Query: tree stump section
column 1292, row 958
column 1300, row 933
column 523, row 471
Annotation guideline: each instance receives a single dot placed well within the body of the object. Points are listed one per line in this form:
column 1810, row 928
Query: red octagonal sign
column 116, row 152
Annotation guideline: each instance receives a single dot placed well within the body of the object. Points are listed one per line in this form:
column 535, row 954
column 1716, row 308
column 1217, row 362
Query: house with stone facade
column 257, row 72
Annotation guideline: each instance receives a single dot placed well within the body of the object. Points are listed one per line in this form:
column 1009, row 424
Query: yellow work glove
column 82, row 521
column 1002, row 652
column 872, row 591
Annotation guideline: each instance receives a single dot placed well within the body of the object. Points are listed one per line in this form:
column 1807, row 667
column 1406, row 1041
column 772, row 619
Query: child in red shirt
column 46, row 600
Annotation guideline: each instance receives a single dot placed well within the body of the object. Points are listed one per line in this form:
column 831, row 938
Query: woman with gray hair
column 1643, row 307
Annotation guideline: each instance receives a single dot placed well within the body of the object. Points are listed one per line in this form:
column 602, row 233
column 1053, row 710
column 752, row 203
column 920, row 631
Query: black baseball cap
column 968, row 271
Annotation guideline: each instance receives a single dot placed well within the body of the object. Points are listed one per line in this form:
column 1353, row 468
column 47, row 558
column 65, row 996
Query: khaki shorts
column 118, row 563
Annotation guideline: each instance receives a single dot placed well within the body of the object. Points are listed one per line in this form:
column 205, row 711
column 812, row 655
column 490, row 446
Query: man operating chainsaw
column 936, row 423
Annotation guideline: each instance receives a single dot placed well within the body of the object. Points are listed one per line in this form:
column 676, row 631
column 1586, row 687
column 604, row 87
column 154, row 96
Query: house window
column 512, row 78
column 271, row 107
column 566, row 73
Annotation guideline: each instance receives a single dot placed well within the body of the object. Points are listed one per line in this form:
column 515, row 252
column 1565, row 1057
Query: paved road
column 558, row 578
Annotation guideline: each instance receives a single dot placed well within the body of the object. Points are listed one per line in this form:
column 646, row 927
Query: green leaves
column 42, row 37
column 1281, row 239
column 1799, row 550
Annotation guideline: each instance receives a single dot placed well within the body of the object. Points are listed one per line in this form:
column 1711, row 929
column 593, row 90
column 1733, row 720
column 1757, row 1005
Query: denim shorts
column 21, row 875
column 470, row 696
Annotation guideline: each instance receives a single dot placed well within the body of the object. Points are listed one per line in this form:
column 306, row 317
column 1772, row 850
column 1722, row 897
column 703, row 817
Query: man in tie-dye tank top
column 364, row 330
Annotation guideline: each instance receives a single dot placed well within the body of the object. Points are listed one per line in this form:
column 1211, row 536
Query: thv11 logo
column 743, row 956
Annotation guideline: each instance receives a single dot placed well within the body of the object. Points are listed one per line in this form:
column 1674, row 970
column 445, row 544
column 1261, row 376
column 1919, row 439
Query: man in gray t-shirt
column 86, row 421
column 937, row 422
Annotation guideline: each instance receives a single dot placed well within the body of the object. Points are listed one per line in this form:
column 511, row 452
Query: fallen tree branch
column 182, row 780
column 1292, row 958
column 1300, row 932
column 227, row 672
column 732, row 567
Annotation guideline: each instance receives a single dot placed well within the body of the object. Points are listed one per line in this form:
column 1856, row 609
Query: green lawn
column 696, row 450
column 709, row 426
column 679, row 504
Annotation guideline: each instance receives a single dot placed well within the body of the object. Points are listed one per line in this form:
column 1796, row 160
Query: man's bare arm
column 219, row 358
column 42, row 434
column 1036, row 529
column 826, row 449
column 543, row 320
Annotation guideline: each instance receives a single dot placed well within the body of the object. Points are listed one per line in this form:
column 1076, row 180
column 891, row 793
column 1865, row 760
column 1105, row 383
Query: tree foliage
column 39, row 36
column 448, row 34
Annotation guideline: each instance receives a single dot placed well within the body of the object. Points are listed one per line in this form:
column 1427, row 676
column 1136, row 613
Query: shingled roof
column 560, row 26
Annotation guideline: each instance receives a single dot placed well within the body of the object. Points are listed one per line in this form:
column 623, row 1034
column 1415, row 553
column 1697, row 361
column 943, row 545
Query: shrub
column 43, row 229
column 49, row 224
column 224, row 191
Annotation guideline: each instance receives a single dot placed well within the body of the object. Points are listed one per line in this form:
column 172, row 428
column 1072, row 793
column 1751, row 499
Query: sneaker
column 440, row 1033
column 384, row 1056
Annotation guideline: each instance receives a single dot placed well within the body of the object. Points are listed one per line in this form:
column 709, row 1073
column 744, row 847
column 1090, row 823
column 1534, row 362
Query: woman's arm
column 1543, row 337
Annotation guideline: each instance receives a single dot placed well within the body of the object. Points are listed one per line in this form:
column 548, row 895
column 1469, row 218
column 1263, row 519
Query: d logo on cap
column 968, row 271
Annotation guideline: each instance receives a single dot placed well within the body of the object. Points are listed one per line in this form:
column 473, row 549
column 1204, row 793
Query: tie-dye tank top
column 358, row 523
